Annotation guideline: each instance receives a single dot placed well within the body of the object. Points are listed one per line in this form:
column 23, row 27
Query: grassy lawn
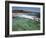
column 24, row 24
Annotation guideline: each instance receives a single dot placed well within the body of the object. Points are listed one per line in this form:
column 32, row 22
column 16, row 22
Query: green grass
column 23, row 24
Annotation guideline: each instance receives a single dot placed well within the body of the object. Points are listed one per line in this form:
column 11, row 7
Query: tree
column 37, row 16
